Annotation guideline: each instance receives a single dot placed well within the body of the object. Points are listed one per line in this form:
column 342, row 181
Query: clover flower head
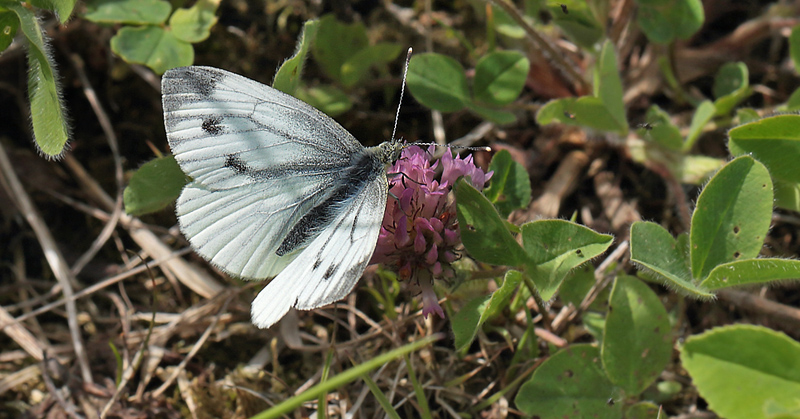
column 419, row 234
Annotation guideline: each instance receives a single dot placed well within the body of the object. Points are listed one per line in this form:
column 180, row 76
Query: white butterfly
column 278, row 188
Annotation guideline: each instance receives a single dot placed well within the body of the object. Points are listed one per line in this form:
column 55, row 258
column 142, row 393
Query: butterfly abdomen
column 364, row 169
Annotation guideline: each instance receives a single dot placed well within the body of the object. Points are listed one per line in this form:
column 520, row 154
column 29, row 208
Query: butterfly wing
column 259, row 159
column 331, row 265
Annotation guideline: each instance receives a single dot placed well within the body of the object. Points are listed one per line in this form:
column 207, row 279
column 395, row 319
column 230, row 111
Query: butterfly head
column 389, row 151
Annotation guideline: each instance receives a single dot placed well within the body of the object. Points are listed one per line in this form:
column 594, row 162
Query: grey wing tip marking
column 358, row 269
column 189, row 84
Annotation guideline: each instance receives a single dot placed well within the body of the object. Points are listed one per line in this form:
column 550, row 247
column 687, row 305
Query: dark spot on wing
column 364, row 169
column 317, row 263
column 212, row 125
column 330, row 271
column 233, row 162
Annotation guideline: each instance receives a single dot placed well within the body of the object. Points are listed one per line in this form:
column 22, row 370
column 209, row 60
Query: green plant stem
column 490, row 29
column 546, row 321
column 522, row 351
column 667, row 65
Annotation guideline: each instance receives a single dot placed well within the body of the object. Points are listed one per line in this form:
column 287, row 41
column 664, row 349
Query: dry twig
column 53, row 256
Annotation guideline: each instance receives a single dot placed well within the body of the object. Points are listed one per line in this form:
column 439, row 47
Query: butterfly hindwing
column 232, row 229
column 260, row 160
column 331, row 265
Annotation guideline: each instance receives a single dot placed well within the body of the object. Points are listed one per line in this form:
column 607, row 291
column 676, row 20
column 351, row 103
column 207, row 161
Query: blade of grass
column 425, row 410
column 118, row 359
column 322, row 403
column 345, row 377
column 382, row 399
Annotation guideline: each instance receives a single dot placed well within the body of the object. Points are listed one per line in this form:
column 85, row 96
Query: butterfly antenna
column 402, row 91
column 457, row 147
column 397, row 115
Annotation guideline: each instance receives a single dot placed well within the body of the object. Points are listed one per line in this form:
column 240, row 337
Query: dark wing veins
column 240, row 167
column 364, row 169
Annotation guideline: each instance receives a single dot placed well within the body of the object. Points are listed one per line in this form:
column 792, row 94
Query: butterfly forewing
column 220, row 125
column 260, row 160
